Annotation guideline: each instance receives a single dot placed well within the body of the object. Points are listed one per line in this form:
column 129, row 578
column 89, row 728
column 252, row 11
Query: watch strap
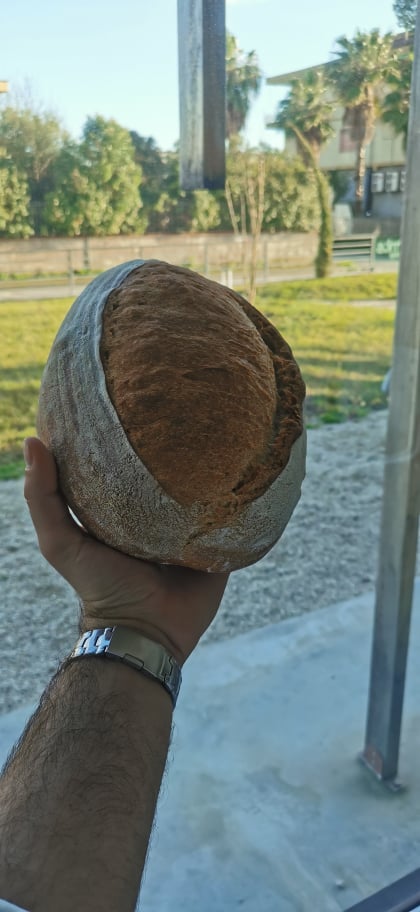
column 132, row 648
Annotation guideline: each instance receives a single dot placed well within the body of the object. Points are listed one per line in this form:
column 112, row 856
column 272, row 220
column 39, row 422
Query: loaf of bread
column 174, row 410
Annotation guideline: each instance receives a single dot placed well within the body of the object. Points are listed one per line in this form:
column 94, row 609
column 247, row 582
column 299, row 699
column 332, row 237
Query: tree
column 266, row 191
column 32, row 139
column 245, row 195
column 206, row 214
column 405, row 11
column 306, row 115
column 173, row 211
column 291, row 200
column 324, row 254
column 308, row 108
column 96, row 184
column 182, row 210
column 152, row 163
column 358, row 75
column 67, row 206
column 14, row 200
column 108, row 153
column 396, row 104
column 243, row 82
column 290, row 194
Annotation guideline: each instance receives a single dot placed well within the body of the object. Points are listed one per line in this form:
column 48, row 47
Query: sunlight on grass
column 27, row 330
column 368, row 287
column 343, row 352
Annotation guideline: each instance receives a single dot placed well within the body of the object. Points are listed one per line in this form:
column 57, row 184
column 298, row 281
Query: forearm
column 77, row 798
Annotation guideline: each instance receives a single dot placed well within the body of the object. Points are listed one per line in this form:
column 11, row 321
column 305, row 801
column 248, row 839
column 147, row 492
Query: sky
column 120, row 59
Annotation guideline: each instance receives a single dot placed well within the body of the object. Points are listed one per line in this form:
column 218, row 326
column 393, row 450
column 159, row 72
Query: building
column 385, row 158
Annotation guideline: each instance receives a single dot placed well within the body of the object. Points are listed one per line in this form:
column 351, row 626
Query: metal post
column 401, row 501
column 401, row 896
column 70, row 271
column 86, row 258
column 202, row 69
column 265, row 259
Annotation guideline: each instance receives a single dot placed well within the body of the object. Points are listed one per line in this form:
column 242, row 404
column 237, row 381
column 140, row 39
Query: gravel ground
column 327, row 554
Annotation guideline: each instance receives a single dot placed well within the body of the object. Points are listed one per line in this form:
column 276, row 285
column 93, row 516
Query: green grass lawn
column 369, row 286
column 343, row 351
column 27, row 329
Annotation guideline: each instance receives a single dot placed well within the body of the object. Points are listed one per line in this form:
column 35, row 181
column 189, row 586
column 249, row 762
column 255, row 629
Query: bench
column 355, row 247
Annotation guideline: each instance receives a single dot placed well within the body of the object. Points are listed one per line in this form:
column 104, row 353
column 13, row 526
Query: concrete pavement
column 264, row 806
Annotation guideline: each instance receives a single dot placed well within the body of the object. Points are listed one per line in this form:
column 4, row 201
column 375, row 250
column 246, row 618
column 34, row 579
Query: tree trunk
column 360, row 177
column 310, row 154
column 243, row 215
column 244, row 234
column 324, row 255
column 232, row 213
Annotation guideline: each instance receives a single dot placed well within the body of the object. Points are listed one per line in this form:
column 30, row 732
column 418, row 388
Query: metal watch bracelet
column 134, row 649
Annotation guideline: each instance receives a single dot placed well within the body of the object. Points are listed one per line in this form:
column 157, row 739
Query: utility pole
column 202, row 78
column 401, row 498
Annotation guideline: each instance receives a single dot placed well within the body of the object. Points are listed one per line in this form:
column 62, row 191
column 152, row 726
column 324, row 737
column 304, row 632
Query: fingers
column 58, row 535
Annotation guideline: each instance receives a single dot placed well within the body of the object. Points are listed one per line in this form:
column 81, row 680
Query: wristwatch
column 131, row 647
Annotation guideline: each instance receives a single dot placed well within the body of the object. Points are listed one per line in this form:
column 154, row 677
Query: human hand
column 172, row 605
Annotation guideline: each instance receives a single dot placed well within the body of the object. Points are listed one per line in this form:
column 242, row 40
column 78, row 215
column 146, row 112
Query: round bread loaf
column 174, row 411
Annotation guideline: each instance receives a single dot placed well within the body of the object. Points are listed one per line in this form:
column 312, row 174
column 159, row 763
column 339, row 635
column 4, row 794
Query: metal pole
column 265, row 259
column 202, row 77
column 401, row 500
column 401, row 896
column 71, row 271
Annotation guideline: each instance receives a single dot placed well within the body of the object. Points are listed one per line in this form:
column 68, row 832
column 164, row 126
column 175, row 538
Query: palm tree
column 358, row 75
column 307, row 107
column 405, row 11
column 243, row 82
column 396, row 104
column 323, row 258
column 306, row 115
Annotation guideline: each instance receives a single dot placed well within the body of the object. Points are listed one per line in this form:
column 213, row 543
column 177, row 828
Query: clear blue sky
column 119, row 59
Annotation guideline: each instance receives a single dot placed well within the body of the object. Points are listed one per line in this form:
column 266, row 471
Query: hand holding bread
column 174, row 411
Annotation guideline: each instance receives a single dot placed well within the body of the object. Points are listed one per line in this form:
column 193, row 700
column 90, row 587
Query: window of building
column 392, row 180
column 378, row 182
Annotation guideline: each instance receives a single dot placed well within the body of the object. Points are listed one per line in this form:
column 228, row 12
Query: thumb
column 59, row 537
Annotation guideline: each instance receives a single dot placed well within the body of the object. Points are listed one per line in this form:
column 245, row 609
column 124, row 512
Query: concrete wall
column 203, row 252
column 387, row 227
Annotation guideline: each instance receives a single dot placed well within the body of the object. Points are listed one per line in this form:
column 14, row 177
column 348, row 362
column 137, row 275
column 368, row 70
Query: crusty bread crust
column 206, row 389
column 107, row 483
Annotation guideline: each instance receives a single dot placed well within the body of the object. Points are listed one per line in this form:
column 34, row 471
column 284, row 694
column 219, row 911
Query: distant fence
column 208, row 254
